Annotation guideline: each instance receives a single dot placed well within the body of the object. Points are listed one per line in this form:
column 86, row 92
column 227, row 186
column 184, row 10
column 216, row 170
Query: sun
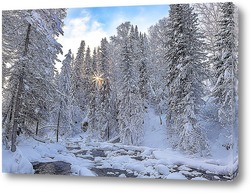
column 98, row 79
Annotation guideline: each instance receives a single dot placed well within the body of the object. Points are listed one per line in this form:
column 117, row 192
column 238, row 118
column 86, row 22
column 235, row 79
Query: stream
column 96, row 156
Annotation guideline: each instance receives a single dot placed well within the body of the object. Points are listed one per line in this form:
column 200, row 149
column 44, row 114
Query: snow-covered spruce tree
column 103, row 92
column 30, row 49
column 111, row 57
column 104, row 58
column 139, row 57
column 77, row 113
column 185, row 75
column 130, row 106
column 91, row 116
column 226, row 64
column 208, row 19
column 157, row 66
column 143, row 67
column 115, row 48
column 64, row 123
column 87, row 77
column 77, row 77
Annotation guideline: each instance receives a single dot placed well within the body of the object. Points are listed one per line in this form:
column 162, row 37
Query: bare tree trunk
column 18, row 97
column 108, row 132
column 160, row 118
column 8, row 114
column 37, row 124
column 17, row 108
column 58, row 125
column 58, row 122
column 6, row 122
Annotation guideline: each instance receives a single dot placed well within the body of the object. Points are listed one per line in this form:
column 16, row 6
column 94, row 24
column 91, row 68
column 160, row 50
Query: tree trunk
column 160, row 118
column 18, row 97
column 108, row 133
column 58, row 125
column 8, row 114
column 37, row 124
column 17, row 108
column 58, row 122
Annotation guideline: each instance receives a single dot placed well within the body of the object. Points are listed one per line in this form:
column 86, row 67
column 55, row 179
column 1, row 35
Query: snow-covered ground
column 92, row 158
column 155, row 133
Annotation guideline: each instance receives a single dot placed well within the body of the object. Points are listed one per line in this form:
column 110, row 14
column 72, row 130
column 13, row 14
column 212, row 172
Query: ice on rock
column 162, row 169
column 176, row 176
column 122, row 176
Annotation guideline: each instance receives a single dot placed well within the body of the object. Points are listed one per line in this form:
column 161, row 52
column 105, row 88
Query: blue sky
column 107, row 15
column 92, row 24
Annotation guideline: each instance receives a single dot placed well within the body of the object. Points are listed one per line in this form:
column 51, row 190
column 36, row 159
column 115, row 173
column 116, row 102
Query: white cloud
column 78, row 29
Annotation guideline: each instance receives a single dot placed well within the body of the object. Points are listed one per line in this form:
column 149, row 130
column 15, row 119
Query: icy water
column 103, row 163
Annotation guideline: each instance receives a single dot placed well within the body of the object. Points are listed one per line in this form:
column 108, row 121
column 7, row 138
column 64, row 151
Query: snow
column 17, row 163
column 169, row 157
column 199, row 178
column 184, row 168
column 135, row 167
column 175, row 176
column 152, row 160
column 156, row 163
column 85, row 172
column 154, row 130
column 162, row 169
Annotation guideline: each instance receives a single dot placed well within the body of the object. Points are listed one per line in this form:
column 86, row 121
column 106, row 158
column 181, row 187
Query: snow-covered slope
column 154, row 132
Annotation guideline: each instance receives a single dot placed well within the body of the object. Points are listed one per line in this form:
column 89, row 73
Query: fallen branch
column 38, row 139
column 114, row 140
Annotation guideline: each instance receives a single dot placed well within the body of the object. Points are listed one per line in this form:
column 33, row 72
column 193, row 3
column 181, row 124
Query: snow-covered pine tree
column 226, row 64
column 30, row 49
column 91, row 116
column 157, row 66
column 130, row 106
column 110, row 54
column 98, row 80
column 94, row 62
column 208, row 20
column 77, row 114
column 104, row 58
column 114, row 53
column 185, row 60
column 77, row 77
column 103, row 95
column 139, row 58
column 87, row 78
column 65, row 102
column 143, row 67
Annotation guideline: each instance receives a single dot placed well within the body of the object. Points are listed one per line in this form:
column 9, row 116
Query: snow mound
column 162, row 169
column 15, row 162
column 176, row 176
column 155, row 135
